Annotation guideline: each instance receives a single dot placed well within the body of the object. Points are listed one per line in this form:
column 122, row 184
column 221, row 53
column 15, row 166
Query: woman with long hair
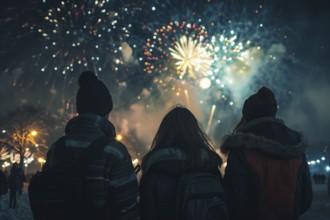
column 179, row 146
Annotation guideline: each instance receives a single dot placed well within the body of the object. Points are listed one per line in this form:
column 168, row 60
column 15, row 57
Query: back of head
column 180, row 129
column 261, row 104
column 93, row 96
column 177, row 129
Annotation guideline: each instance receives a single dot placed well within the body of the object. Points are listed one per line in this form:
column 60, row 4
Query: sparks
column 191, row 55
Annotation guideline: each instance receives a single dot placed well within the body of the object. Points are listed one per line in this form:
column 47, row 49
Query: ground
column 22, row 211
column 320, row 209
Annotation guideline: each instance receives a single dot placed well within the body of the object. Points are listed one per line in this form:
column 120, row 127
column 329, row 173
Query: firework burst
column 220, row 54
column 84, row 34
column 191, row 55
column 178, row 48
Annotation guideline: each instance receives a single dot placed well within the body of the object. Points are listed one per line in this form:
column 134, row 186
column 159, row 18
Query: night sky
column 296, row 32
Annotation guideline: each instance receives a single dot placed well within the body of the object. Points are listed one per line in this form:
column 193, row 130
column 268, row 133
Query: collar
column 93, row 123
column 245, row 138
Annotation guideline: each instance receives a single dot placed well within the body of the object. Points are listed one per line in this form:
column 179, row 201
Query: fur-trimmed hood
column 268, row 135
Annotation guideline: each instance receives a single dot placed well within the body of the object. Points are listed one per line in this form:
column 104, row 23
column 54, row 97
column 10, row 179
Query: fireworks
column 82, row 33
column 185, row 50
column 226, row 49
column 202, row 53
column 217, row 64
column 192, row 56
column 178, row 48
column 210, row 47
column 230, row 57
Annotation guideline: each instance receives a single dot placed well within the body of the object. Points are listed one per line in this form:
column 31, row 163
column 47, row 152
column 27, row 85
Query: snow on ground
column 22, row 211
column 320, row 209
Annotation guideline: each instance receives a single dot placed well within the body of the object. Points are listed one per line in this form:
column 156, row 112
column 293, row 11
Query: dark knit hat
column 261, row 104
column 93, row 96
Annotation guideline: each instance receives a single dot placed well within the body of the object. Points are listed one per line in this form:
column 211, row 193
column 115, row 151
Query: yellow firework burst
column 191, row 56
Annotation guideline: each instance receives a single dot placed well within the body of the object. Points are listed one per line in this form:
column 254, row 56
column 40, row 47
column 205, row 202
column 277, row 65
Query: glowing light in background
column 5, row 165
column 34, row 133
column 42, row 161
column 4, row 154
column 327, row 168
column 135, row 162
column 205, row 83
column 119, row 137
column 209, row 123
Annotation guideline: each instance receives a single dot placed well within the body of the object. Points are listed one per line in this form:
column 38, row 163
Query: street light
column 34, row 132
column 135, row 162
column 41, row 161
column 119, row 137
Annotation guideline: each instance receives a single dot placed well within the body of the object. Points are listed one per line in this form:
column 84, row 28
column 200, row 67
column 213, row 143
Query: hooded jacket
column 110, row 180
column 160, row 177
column 267, row 176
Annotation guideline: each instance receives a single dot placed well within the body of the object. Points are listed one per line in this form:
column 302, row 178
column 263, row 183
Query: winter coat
column 267, row 176
column 110, row 180
column 3, row 183
column 160, row 177
column 15, row 178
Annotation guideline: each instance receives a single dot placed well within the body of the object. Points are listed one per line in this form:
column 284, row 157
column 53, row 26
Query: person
column 3, row 184
column 322, row 178
column 328, row 185
column 111, row 183
column 315, row 177
column 14, row 183
column 179, row 146
column 267, row 176
column 22, row 179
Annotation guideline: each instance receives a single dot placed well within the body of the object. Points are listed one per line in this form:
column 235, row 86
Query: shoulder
column 116, row 149
column 210, row 155
column 67, row 141
column 164, row 156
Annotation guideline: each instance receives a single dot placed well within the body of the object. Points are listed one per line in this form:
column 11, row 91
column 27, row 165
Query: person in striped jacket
column 110, row 180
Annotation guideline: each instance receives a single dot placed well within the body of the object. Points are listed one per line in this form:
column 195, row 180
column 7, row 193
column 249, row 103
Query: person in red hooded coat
column 267, row 176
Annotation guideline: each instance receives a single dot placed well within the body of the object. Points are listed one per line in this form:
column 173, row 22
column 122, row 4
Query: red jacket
column 267, row 176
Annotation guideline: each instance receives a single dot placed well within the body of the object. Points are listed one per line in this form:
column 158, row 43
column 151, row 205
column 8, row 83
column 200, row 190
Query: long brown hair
column 180, row 129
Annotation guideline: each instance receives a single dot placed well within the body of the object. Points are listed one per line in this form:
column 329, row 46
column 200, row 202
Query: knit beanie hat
column 93, row 96
column 261, row 104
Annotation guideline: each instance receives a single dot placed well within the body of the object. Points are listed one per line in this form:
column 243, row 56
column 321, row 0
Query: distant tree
column 25, row 129
column 4, row 153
